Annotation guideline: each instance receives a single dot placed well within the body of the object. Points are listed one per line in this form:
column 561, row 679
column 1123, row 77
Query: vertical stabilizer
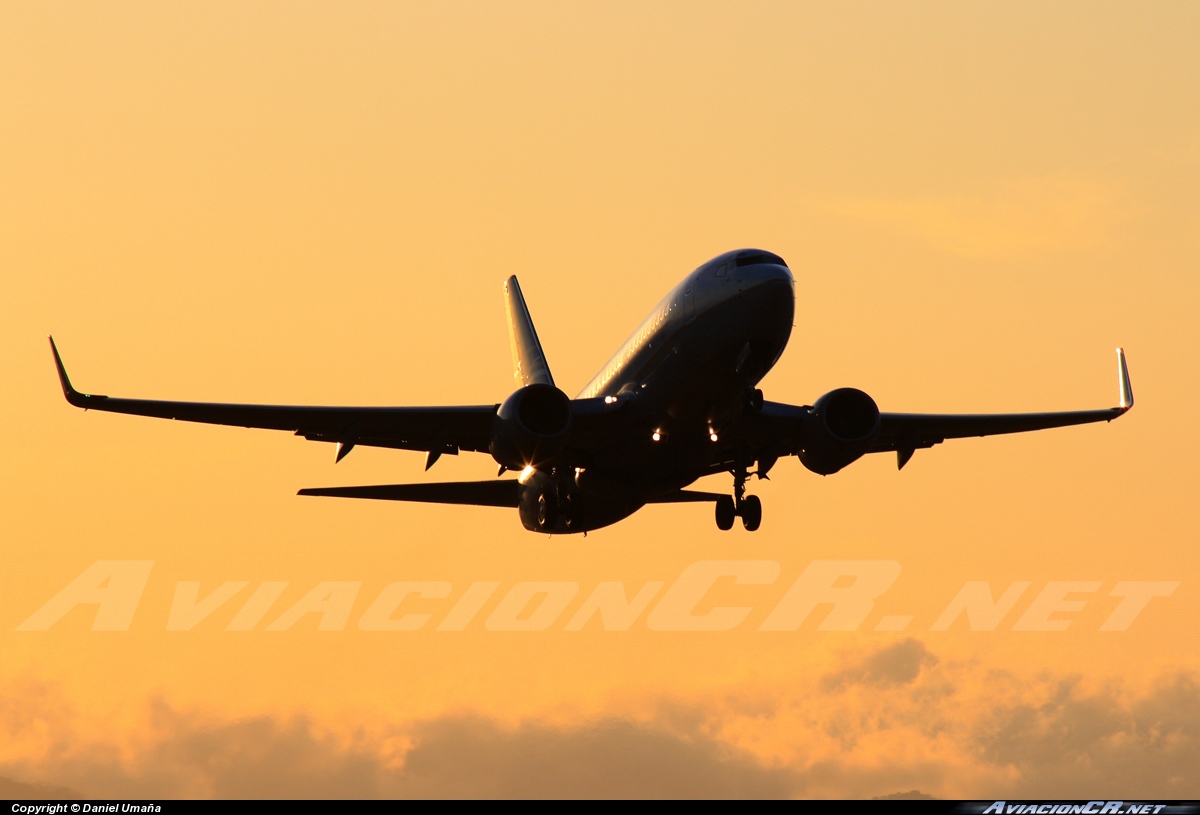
column 529, row 363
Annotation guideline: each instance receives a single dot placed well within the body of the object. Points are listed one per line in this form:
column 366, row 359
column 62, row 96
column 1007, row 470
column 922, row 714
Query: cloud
column 1012, row 217
column 911, row 795
column 891, row 720
column 610, row 758
column 897, row 664
column 1076, row 744
column 456, row 756
column 15, row 790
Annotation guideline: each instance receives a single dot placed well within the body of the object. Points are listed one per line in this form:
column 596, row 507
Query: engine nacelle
column 840, row 428
column 531, row 426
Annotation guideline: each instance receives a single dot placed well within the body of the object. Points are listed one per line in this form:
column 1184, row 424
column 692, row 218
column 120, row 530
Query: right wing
column 436, row 430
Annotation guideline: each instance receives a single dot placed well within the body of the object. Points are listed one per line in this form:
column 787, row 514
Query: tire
column 751, row 512
column 547, row 512
column 726, row 512
column 572, row 511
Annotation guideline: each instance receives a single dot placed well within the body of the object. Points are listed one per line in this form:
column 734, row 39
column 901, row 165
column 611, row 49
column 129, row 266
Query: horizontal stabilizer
column 476, row 493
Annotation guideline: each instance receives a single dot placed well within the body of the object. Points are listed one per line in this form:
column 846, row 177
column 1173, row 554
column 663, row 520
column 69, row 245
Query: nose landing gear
column 751, row 512
column 726, row 512
column 747, row 507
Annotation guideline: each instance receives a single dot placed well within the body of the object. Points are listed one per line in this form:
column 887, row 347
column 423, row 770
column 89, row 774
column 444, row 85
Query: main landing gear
column 551, row 508
column 747, row 507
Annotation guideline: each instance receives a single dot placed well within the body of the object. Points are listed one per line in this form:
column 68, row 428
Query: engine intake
column 531, row 426
column 840, row 428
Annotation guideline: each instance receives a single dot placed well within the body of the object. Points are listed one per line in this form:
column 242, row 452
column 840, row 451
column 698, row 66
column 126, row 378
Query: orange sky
column 318, row 204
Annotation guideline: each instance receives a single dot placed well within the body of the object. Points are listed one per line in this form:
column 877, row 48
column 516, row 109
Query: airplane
column 678, row 401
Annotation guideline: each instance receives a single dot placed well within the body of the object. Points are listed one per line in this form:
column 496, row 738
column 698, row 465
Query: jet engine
column 531, row 426
column 841, row 427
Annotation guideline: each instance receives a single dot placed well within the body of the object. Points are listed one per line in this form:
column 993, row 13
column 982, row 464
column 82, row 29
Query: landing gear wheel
column 751, row 512
column 726, row 512
column 756, row 400
column 572, row 510
column 547, row 512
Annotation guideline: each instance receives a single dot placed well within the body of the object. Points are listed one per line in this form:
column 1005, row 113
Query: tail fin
column 529, row 363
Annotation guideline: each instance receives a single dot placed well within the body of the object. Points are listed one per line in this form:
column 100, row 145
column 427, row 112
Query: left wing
column 778, row 429
column 907, row 432
column 436, row 430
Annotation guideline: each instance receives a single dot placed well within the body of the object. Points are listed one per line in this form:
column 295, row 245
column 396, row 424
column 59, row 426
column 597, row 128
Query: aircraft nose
column 764, row 273
column 772, row 291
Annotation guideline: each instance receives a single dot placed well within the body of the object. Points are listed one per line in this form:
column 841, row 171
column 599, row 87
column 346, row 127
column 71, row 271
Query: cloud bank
column 895, row 721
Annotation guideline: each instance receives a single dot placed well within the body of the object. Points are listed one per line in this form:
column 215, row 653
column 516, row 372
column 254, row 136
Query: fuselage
column 684, row 377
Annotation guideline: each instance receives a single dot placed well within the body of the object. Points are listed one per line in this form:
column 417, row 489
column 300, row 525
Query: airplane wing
column 907, row 432
column 435, row 430
column 779, row 428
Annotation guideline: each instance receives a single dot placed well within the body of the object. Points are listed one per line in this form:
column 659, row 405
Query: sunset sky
column 304, row 203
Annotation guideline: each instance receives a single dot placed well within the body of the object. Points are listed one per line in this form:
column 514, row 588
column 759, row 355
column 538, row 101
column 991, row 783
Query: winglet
column 1123, row 374
column 529, row 362
column 73, row 396
column 62, row 371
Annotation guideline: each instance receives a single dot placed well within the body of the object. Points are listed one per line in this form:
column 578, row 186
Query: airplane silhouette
column 677, row 401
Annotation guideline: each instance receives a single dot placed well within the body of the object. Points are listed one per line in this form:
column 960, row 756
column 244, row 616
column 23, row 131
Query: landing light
column 656, row 436
column 608, row 400
column 712, row 435
column 524, row 476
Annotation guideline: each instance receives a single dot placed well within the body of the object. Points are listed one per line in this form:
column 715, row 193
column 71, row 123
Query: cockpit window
column 751, row 258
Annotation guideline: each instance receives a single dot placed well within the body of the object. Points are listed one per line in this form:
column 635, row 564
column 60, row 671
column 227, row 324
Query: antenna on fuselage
column 529, row 362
